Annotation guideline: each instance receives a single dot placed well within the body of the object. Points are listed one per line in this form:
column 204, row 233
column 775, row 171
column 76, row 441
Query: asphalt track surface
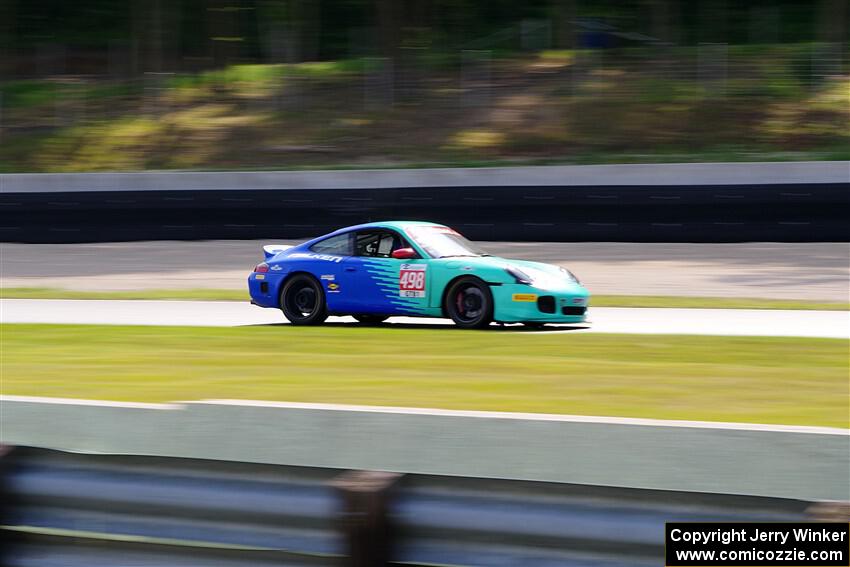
column 732, row 322
column 807, row 271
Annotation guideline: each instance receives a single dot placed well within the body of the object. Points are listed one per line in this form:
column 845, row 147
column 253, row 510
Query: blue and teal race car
column 377, row 270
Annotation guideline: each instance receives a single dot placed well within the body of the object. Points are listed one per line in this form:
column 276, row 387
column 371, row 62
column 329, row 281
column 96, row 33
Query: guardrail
column 781, row 202
column 88, row 510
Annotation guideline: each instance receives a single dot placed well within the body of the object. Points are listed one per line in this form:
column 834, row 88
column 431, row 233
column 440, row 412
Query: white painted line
column 84, row 402
column 534, row 416
column 566, row 418
column 666, row 321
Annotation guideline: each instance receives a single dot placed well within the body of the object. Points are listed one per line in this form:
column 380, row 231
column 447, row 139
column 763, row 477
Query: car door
column 328, row 264
column 386, row 285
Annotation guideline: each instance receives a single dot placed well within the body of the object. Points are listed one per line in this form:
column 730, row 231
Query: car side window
column 339, row 245
column 378, row 243
column 385, row 245
column 366, row 243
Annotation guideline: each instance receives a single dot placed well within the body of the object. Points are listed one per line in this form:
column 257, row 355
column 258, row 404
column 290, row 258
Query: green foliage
column 22, row 94
column 658, row 91
column 34, row 93
column 554, row 106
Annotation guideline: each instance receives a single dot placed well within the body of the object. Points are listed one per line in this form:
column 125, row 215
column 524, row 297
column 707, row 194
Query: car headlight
column 570, row 275
column 520, row 276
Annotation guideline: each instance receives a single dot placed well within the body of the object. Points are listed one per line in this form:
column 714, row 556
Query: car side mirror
column 404, row 253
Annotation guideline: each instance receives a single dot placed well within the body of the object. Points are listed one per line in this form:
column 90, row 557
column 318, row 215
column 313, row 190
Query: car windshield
column 442, row 242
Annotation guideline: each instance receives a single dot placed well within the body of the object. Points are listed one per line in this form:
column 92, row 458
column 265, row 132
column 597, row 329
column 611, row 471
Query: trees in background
column 171, row 35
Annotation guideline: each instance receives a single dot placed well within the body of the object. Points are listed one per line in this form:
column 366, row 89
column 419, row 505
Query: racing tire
column 370, row 319
column 302, row 301
column 469, row 303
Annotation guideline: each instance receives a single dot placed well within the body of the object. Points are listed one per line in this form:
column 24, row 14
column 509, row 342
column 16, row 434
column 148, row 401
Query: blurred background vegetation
column 99, row 85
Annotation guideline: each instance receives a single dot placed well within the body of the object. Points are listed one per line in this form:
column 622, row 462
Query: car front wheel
column 469, row 303
column 303, row 301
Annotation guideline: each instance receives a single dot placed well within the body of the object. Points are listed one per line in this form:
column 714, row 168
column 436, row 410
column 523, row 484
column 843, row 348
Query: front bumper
column 515, row 303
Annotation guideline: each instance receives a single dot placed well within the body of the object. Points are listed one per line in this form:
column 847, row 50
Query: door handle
column 350, row 269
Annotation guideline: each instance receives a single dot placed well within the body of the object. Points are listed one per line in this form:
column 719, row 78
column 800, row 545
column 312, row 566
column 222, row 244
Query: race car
column 377, row 270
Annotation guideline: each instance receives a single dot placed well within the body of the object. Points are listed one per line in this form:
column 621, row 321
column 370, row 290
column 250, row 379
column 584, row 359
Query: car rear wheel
column 303, row 301
column 371, row 319
column 469, row 303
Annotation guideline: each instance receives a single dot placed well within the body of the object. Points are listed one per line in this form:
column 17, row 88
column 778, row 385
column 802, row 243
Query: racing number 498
column 412, row 280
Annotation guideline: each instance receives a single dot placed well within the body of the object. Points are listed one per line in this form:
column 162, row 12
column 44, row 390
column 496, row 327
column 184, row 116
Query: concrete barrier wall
column 653, row 175
column 768, row 202
column 807, row 463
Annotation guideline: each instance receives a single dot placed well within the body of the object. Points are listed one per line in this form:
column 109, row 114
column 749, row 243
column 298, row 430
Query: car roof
column 398, row 225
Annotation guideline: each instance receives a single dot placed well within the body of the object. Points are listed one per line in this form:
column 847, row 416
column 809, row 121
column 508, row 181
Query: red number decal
column 411, row 280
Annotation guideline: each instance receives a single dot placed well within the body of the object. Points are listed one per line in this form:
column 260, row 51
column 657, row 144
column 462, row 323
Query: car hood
column 550, row 275
column 498, row 262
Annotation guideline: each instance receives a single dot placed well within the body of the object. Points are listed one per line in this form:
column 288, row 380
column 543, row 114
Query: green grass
column 742, row 379
column 170, row 294
column 597, row 300
column 33, row 93
column 712, row 302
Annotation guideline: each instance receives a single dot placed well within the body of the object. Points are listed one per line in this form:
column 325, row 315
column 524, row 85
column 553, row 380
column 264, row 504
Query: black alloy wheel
column 303, row 301
column 469, row 303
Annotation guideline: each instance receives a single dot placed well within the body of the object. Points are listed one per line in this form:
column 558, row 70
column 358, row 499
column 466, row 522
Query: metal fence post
column 365, row 522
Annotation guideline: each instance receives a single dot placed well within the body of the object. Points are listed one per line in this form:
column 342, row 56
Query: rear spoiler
column 271, row 250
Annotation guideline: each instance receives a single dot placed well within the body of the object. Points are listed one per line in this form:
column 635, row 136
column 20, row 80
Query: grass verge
column 713, row 302
column 158, row 294
column 742, row 379
column 596, row 300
